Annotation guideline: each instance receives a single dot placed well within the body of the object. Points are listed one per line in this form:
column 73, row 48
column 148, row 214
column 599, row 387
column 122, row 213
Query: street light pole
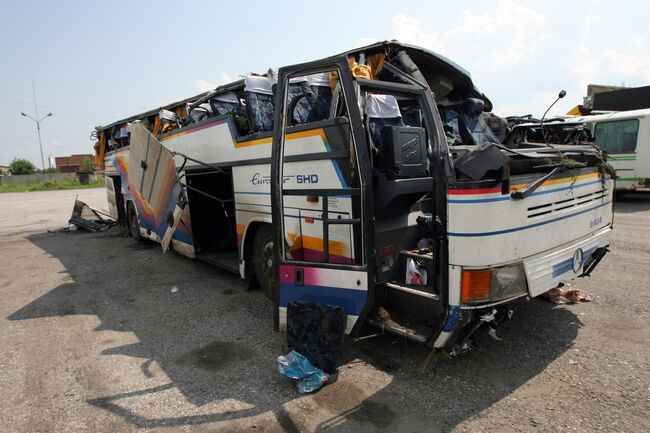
column 38, row 124
column 38, row 128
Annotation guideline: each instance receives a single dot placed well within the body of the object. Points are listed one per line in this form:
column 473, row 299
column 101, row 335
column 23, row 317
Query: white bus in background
column 625, row 135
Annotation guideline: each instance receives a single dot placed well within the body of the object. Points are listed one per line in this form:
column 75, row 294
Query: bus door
column 320, row 166
column 154, row 185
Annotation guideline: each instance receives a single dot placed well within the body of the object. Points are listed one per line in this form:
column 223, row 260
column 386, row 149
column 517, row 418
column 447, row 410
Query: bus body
column 324, row 181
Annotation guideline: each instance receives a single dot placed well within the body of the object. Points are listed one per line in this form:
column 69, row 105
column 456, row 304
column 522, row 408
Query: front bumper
column 547, row 270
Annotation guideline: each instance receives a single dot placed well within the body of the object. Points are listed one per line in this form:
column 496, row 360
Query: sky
column 95, row 62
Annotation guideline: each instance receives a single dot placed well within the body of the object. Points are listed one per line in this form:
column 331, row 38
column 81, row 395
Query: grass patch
column 54, row 184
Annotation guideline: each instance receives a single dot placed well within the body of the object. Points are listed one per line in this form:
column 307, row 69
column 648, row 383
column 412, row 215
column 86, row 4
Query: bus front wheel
column 263, row 258
column 134, row 225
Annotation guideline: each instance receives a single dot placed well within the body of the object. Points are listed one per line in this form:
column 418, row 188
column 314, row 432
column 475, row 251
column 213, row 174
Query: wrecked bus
column 366, row 180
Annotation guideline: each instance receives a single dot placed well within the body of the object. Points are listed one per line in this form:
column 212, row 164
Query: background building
column 72, row 163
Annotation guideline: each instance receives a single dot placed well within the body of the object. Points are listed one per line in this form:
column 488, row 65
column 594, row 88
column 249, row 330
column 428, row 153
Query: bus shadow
column 214, row 343
column 637, row 201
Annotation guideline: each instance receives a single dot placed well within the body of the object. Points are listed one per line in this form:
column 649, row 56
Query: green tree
column 88, row 165
column 21, row 166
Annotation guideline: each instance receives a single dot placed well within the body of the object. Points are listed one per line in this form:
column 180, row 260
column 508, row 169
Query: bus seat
column 259, row 102
column 198, row 113
column 226, row 103
column 299, row 87
column 465, row 122
column 381, row 111
column 322, row 96
column 229, row 104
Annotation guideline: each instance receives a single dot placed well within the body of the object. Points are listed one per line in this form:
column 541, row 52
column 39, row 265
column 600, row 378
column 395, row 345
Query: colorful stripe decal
column 503, row 197
column 352, row 300
column 516, row 229
column 536, row 193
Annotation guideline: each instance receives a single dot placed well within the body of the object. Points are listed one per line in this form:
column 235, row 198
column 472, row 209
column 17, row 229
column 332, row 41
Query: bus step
column 412, row 290
column 398, row 326
column 400, row 331
column 416, row 255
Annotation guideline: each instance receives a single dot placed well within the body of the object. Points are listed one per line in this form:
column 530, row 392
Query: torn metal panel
column 87, row 218
column 156, row 189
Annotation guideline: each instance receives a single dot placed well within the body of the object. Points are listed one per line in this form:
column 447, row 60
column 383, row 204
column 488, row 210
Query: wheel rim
column 267, row 260
column 133, row 220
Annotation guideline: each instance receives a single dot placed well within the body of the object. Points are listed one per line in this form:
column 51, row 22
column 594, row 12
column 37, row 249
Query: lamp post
column 38, row 128
column 38, row 123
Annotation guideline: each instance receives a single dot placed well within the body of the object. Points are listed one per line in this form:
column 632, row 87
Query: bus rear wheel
column 263, row 258
column 134, row 225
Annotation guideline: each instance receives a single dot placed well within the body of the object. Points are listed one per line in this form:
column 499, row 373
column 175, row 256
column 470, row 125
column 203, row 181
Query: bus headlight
column 508, row 282
column 482, row 286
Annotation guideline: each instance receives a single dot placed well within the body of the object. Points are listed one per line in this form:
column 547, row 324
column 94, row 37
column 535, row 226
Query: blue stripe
column 567, row 265
column 452, row 318
column 184, row 237
column 252, row 192
column 516, row 229
column 562, row 267
column 507, row 197
column 353, row 301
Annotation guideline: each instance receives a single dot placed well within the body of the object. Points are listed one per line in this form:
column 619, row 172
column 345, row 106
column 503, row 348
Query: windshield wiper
column 521, row 194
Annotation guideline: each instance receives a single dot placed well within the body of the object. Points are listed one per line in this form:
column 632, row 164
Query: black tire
column 262, row 258
column 132, row 220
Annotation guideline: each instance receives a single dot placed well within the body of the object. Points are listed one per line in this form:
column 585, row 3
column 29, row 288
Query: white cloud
column 621, row 64
column 202, row 85
column 521, row 55
column 410, row 30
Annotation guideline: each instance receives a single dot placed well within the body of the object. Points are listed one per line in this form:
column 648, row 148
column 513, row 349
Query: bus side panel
column 214, row 141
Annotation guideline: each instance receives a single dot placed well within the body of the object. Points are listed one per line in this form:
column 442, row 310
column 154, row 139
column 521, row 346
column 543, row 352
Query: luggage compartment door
column 156, row 190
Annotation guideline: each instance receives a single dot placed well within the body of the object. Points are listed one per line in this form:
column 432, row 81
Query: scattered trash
column 174, row 289
column 416, row 274
column 570, row 296
column 87, row 218
column 572, row 362
column 295, row 366
column 492, row 332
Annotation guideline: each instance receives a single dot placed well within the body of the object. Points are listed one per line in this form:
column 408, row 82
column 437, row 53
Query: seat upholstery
column 322, row 96
column 382, row 111
column 465, row 124
column 260, row 103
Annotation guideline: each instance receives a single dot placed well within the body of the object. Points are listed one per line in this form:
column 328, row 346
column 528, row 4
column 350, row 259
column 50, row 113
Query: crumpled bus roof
column 445, row 78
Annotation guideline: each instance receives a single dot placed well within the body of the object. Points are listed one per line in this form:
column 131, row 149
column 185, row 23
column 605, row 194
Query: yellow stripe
column 316, row 244
column 556, row 181
column 294, row 136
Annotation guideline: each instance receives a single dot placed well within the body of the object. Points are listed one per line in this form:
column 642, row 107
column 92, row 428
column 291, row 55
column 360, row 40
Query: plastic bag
column 295, row 366
column 416, row 274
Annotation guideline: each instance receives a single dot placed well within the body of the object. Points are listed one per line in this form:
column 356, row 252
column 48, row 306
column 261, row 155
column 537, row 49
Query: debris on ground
column 87, row 218
column 295, row 366
column 559, row 295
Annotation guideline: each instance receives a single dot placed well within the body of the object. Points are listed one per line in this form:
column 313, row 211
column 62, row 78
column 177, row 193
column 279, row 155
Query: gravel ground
column 94, row 339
